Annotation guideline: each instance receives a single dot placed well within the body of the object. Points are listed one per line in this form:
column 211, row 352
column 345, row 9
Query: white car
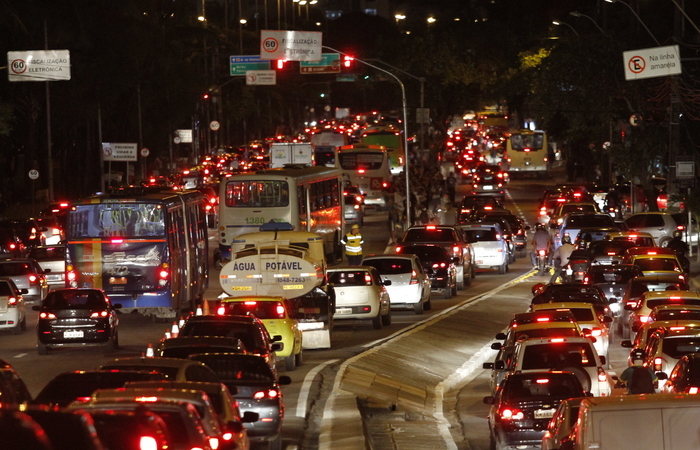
column 572, row 354
column 360, row 294
column 488, row 245
column 12, row 311
column 410, row 286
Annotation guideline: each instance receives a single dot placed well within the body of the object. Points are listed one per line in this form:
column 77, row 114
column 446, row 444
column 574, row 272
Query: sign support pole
column 48, row 122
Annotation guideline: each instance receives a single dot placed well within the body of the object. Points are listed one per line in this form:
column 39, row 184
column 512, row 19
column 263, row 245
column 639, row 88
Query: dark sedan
column 257, row 390
column 72, row 316
column 438, row 265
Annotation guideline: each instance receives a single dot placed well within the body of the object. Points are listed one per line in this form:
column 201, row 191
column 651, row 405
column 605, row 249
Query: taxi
column 641, row 311
column 664, row 316
column 592, row 324
column 654, row 260
column 274, row 312
column 640, row 238
column 666, row 346
column 540, row 324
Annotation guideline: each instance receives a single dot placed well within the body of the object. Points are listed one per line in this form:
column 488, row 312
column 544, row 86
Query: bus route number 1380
column 254, row 220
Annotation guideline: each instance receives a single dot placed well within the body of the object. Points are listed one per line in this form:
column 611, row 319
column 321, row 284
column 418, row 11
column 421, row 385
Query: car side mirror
column 602, row 359
column 277, row 347
column 501, row 336
column 487, row 365
column 36, row 308
column 24, row 291
column 496, row 346
column 277, row 338
column 386, row 282
column 490, row 400
column 47, row 270
column 284, row 380
column 626, row 343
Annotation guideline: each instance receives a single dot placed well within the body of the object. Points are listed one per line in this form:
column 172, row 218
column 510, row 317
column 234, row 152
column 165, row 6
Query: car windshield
column 14, row 269
column 483, row 235
column 583, row 314
column 569, row 293
column 589, row 220
column 387, row 266
column 614, row 248
column 261, row 310
column 427, row 253
column 350, row 278
column 551, row 355
column 676, row 347
column 542, row 387
column 70, row 299
column 638, row 287
column 185, row 352
column 120, row 430
column 676, row 314
column 429, row 235
column 653, row 303
column 48, row 253
column 5, row 289
column 237, row 368
column 657, row 264
column 240, row 331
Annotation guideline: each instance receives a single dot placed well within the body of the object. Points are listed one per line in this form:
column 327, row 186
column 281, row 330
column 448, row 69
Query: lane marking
column 306, row 387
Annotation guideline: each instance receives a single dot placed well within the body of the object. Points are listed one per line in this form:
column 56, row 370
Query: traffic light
column 347, row 61
column 281, row 63
column 205, row 96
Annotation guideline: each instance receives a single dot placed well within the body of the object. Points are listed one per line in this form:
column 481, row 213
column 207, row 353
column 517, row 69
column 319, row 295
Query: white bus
column 309, row 198
column 367, row 167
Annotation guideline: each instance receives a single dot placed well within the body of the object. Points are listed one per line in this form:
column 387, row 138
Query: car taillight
column 270, row 393
column 279, row 309
column 644, row 319
column 595, row 332
column 414, row 277
column 508, row 413
column 693, row 390
column 542, row 252
column 148, row 443
column 33, row 279
column 456, row 250
column 46, row 315
column 439, row 265
column 12, row 302
column 214, row 443
column 163, row 275
column 657, row 364
column 99, row 314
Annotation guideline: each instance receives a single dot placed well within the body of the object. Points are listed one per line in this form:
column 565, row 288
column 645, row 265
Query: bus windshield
column 254, row 193
column 361, row 160
column 522, row 142
column 117, row 219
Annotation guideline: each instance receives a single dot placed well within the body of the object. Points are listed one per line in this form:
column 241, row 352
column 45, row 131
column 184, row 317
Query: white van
column 641, row 422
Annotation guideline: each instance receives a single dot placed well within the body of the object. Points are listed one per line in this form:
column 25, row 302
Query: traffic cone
column 175, row 330
column 199, row 311
column 150, row 353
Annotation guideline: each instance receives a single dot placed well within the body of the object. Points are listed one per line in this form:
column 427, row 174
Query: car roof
column 351, row 268
column 150, row 362
column 222, row 318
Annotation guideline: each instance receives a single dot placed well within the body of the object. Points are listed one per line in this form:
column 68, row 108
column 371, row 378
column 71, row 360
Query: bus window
column 251, row 193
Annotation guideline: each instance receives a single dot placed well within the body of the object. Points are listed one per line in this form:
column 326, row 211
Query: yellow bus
column 527, row 151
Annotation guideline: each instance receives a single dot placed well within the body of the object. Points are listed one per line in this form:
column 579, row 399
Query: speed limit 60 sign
column 33, row 174
column 290, row 45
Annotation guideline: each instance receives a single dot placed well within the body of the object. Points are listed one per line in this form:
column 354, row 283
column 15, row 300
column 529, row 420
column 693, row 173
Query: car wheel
column 110, row 345
column 663, row 242
column 428, row 304
column 454, row 289
column 467, row 279
column 17, row 329
column 275, row 444
column 503, row 268
column 116, row 340
column 386, row 320
column 43, row 348
column 377, row 322
column 290, row 363
column 418, row 308
column 299, row 357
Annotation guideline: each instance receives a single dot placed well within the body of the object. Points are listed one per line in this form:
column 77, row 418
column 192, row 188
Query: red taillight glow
column 557, row 340
column 439, row 265
column 360, row 170
column 280, row 311
column 511, row 414
column 270, row 393
column 45, row 315
column 644, row 319
column 414, row 277
column 542, row 381
column 99, row 314
column 221, row 311
column 148, row 443
column 692, row 390
column 33, row 278
column 117, row 241
column 542, row 252
column 658, row 362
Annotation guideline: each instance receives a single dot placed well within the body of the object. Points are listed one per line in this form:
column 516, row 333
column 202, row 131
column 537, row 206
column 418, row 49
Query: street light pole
column 638, row 18
column 556, row 22
column 578, row 14
column 405, row 128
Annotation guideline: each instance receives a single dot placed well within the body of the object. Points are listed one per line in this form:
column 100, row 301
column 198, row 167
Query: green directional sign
column 241, row 64
column 329, row 63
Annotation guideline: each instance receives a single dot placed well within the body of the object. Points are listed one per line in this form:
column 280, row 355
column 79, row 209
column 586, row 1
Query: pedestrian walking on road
column 353, row 245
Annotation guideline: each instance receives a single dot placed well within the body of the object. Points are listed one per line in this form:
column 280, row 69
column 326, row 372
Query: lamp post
column 405, row 128
column 578, row 14
column 399, row 17
column 638, row 18
column 556, row 22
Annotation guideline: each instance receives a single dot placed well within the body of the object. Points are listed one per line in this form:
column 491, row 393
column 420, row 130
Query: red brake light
column 542, row 381
column 543, row 319
column 45, row 315
column 368, row 279
column 98, row 314
column 221, row 310
column 557, row 340
column 148, row 443
column 360, row 170
column 430, row 227
column 280, row 311
column 117, row 241
column 33, row 278
column 511, row 414
column 644, row 319
column 542, row 252
column 657, row 364
column 414, row 277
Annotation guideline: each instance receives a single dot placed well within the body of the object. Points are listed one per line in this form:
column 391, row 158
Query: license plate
column 343, row 310
column 117, row 280
column 544, row 413
column 72, row 334
column 488, row 188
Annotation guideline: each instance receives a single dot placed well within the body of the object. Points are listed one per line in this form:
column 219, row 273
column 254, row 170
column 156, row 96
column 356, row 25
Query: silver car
column 12, row 312
column 52, row 260
column 410, row 285
column 27, row 274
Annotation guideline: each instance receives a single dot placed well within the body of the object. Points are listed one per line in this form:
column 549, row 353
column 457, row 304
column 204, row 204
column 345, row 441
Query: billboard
column 38, row 65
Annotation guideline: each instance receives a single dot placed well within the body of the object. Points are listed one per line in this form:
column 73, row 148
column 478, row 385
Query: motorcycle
column 575, row 270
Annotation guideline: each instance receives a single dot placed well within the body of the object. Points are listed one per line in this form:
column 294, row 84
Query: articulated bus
column 147, row 248
column 367, row 167
column 309, row 198
column 527, row 151
column 392, row 140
